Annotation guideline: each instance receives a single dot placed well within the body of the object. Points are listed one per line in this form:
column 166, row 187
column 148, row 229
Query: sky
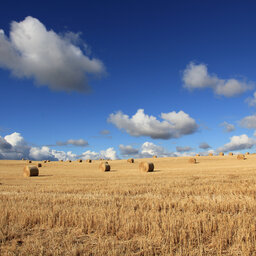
column 119, row 79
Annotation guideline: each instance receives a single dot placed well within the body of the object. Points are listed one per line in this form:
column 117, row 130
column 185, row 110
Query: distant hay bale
column 146, row 167
column 221, row 154
column 130, row 160
column 45, row 161
column 39, row 165
column 104, row 166
column 155, row 156
column 247, row 153
column 197, row 154
column 230, row 154
column 240, row 157
column 192, row 160
column 69, row 161
column 61, row 160
column 48, row 161
column 88, row 161
column 29, row 161
column 22, row 159
column 29, row 171
column 210, row 154
column 79, row 160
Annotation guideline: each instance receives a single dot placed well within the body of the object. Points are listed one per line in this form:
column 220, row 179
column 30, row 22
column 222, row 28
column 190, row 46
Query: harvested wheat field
column 178, row 209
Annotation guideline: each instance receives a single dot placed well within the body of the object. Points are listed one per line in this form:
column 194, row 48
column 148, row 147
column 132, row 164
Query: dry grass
column 179, row 209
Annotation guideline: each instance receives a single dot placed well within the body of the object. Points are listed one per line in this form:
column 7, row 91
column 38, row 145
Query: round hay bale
column 146, row 167
column 39, row 165
column 197, row 154
column 29, row 171
column 240, row 157
column 192, row 160
column 61, row 160
column 79, row 160
column 48, row 161
column 69, row 161
column 210, row 154
column 22, row 159
column 88, row 161
column 230, row 154
column 130, row 160
column 104, row 166
column 45, row 161
column 247, row 153
column 154, row 156
column 221, row 154
column 29, row 161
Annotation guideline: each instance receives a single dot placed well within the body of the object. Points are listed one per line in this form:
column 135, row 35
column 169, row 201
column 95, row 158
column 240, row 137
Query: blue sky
column 135, row 55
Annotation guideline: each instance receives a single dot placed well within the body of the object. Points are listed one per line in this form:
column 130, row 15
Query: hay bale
column 240, row 157
column 230, row 154
column 48, row 161
column 221, row 154
column 22, row 159
column 197, row 154
column 130, row 160
column 79, row 160
column 45, row 161
column 192, row 160
column 29, row 161
column 69, row 161
column 88, row 161
column 146, row 167
column 247, row 153
column 61, row 160
column 210, row 154
column 29, row 171
column 154, row 156
column 104, row 166
column 39, row 165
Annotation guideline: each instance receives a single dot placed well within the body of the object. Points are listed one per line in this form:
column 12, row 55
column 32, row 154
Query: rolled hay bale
column 39, row 165
column 221, row 154
column 29, row 171
column 192, row 160
column 247, row 153
column 130, row 160
column 45, row 161
column 154, row 156
column 79, row 160
column 48, row 161
column 69, row 161
column 146, row 167
column 29, row 161
column 240, row 157
column 61, row 160
column 230, row 154
column 88, row 161
column 104, row 167
column 197, row 154
column 210, row 154
column 22, row 159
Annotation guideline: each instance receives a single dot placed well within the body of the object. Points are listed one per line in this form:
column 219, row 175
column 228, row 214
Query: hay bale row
column 146, row 167
column 29, row 171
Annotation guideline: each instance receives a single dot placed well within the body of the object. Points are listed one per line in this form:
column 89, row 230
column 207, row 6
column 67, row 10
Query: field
column 208, row 208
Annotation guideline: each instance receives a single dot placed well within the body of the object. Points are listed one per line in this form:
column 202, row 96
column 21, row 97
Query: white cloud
column 238, row 143
column 204, row 145
column 174, row 125
column 252, row 101
column 128, row 150
column 196, row 76
column 228, row 127
column 37, row 153
column 78, row 143
column 249, row 122
column 50, row 59
column 149, row 149
column 109, row 153
column 183, row 149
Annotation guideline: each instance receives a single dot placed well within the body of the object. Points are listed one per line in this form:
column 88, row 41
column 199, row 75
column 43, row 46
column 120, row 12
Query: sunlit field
column 208, row 208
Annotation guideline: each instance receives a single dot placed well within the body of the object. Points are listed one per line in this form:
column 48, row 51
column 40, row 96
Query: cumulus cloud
column 49, row 58
column 252, row 100
column 196, row 76
column 174, row 124
column 42, row 153
column 78, row 143
column 228, row 127
column 238, row 143
column 249, row 122
column 204, row 145
column 183, row 149
column 128, row 150
column 109, row 153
